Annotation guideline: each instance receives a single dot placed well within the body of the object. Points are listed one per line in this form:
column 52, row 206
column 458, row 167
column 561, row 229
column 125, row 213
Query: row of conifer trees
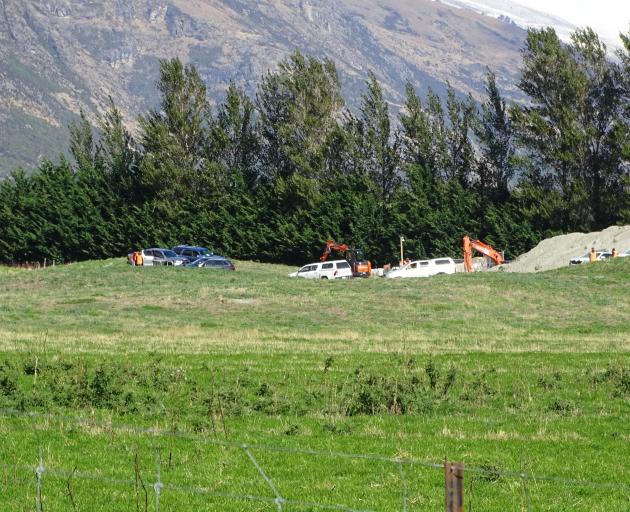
column 271, row 177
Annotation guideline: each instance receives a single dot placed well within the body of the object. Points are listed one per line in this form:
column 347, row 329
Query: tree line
column 271, row 177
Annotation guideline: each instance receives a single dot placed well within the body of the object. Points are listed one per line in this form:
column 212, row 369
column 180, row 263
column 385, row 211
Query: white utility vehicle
column 338, row 269
column 600, row 255
column 423, row 268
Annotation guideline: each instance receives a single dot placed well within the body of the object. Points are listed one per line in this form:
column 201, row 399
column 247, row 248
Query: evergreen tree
column 298, row 105
column 462, row 164
column 574, row 130
column 235, row 138
column 121, row 156
column 379, row 144
column 495, row 136
column 82, row 146
column 175, row 137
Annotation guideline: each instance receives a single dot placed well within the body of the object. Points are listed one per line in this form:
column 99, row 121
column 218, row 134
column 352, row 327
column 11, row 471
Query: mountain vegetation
column 58, row 58
column 271, row 176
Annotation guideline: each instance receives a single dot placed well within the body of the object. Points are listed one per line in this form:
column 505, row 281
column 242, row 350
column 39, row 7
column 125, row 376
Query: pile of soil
column 557, row 251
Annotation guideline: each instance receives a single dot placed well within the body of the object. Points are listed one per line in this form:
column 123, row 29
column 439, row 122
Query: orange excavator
column 361, row 267
column 484, row 249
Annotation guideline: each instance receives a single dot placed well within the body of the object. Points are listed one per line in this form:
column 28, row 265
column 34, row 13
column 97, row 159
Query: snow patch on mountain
column 522, row 16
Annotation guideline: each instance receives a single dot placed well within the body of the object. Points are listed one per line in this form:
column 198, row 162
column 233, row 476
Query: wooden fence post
column 454, row 486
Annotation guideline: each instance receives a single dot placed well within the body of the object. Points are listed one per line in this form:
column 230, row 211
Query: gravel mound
column 557, row 251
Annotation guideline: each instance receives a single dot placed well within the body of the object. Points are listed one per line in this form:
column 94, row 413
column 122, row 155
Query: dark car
column 192, row 252
column 212, row 262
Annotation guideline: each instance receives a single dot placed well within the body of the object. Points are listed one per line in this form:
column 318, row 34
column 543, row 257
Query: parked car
column 158, row 256
column 337, row 269
column 625, row 253
column 192, row 252
column 601, row 254
column 213, row 262
column 423, row 268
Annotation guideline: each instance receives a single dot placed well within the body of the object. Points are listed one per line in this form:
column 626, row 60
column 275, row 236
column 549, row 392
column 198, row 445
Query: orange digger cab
column 481, row 247
column 361, row 267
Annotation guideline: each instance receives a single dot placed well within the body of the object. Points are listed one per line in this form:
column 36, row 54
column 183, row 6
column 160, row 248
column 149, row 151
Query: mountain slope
column 57, row 57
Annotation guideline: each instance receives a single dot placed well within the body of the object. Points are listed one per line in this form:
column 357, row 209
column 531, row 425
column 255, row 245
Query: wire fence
column 31, row 265
column 273, row 497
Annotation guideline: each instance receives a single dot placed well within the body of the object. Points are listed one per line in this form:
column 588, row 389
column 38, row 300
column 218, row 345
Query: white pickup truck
column 337, row 269
column 423, row 268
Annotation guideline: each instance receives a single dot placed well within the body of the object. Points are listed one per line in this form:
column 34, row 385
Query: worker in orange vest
column 614, row 253
column 138, row 260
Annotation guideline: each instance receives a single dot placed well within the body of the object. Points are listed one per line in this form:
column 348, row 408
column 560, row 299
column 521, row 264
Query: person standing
column 614, row 253
column 138, row 260
column 592, row 256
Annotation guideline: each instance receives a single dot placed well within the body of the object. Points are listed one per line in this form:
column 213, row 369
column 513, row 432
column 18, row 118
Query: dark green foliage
column 561, row 407
column 496, row 140
column 271, row 178
column 575, row 131
column 616, row 376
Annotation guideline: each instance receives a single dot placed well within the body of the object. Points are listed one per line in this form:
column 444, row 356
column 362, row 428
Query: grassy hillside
column 509, row 373
column 111, row 307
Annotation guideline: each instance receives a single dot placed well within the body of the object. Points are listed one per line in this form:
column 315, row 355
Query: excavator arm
column 332, row 246
column 361, row 267
column 481, row 247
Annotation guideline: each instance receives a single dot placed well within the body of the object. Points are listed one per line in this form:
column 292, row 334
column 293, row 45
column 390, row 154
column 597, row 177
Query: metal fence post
column 524, row 491
column 454, row 486
column 157, row 486
column 39, row 471
column 403, row 483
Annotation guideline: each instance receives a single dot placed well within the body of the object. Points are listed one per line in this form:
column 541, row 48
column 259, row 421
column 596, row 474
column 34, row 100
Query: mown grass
column 110, row 307
column 505, row 372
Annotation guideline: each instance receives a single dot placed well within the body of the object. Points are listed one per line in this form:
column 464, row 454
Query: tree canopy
column 271, row 177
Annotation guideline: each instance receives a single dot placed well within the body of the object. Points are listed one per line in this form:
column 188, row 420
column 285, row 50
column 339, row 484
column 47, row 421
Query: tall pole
column 402, row 259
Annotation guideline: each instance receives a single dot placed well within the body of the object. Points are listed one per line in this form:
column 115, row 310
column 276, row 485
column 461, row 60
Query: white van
column 424, row 268
column 338, row 269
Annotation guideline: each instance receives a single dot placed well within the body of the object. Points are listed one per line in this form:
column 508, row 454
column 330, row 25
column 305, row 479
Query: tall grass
column 505, row 372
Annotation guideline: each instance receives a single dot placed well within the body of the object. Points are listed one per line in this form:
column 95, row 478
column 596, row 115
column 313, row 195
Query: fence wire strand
column 62, row 473
column 278, row 500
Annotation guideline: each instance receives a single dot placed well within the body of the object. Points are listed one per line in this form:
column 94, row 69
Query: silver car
column 158, row 256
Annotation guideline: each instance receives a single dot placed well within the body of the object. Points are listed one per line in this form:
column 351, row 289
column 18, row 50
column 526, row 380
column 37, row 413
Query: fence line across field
column 70, row 475
column 248, row 448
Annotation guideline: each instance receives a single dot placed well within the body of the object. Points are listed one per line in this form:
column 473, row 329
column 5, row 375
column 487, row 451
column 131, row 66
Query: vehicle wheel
column 441, row 273
column 324, row 277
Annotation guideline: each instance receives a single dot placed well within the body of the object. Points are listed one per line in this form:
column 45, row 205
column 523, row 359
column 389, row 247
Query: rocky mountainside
column 60, row 56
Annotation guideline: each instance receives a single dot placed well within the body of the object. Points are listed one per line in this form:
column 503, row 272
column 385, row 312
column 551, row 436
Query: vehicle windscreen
column 205, row 252
column 169, row 254
column 217, row 263
column 343, row 264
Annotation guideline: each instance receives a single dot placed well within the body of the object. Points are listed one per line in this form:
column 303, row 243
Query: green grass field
column 507, row 373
